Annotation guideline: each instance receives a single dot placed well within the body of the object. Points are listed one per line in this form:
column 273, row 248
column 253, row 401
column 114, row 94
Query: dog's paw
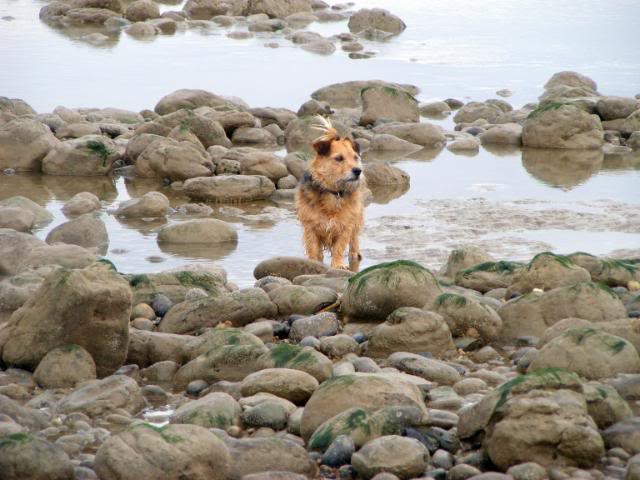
column 340, row 266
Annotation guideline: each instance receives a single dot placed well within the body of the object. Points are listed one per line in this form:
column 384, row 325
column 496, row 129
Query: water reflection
column 189, row 251
column 562, row 168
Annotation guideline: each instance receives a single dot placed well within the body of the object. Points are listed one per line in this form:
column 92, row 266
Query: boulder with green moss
column 488, row 275
column 605, row 405
column 466, row 316
column 363, row 425
column 378, row 290
column 465, row 256
column 367, row 391
column 26, row 457
column 591, row 353
column 239, row 308
column 547, row 271
column 533, row 313
column 627, row 328
column 147, row 348
column 305, row 359
column 214, row 410
column 163, row 453
column 610, row 271
column 218, row 337
column 410, row 329
column 294, row 385
column 174, row 284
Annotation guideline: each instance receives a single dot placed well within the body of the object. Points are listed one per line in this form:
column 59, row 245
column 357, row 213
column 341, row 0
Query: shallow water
column 510, row 202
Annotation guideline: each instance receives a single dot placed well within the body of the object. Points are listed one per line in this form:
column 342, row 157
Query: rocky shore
column 487, row 368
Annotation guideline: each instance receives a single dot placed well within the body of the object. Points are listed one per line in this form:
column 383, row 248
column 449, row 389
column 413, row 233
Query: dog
column 329, row 200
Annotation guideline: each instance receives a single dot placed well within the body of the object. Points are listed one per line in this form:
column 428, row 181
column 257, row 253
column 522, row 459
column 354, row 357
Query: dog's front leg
column 338, row 248
column 312, row 245
column 354, row 246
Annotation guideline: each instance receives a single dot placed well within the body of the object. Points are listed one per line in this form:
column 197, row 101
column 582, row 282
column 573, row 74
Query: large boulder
column 86, row 231
column 532, row 313
column 288, row 267
column 277, row 8
column 367, row 391
column 547, row 271
column 229, row 188
column 200, row 230
column 41, row 214
column 16, row 218
column 301, row 132
column 239, row 308
column 294, row 385
column 219, row 337
column 168, row 158
column 502, row 134
column 27, row 457
column 424, row 134
column 175, row 284
column 214, row 410
column 64, row 367
column 24, row 143
column 88, row 307
column 254, row 162
column 551, row 428
column 591, row 353
column 466, row 316
column 410, row 329
column 560, row 125
column 142, row 10
column 488, row 275
column 626, row 126
column 610, row 271
column 296, row 299
column 147, row 348
column 172, row 452
column 612, row 108
column 85, row 156
column 570, row 79
column 388, row 103
column 402, row 457
column 14, row 248
column 305, row 359
column 347, row 94
column 15, row 106
column 377, row 291
column 99, row 397
column 375, row 18
column 189, row 99
column 465, row 256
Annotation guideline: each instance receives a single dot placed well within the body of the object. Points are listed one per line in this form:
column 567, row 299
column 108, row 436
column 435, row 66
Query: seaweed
column 100, row 149
column 561, row 259
column 167, row 437
column 19, row 438
column 450, row 299
column 502, row 266
column 546, row 108
column 387, row 270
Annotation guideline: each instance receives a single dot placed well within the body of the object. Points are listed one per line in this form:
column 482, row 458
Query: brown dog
column 329, row 199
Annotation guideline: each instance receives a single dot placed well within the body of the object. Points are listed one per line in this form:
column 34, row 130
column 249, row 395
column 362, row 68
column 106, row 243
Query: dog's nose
column 356, row 171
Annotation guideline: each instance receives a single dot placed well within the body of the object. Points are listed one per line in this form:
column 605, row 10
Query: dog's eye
column 339, row 158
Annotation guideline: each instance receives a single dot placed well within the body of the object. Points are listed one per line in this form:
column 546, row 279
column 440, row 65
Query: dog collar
column 307, row 179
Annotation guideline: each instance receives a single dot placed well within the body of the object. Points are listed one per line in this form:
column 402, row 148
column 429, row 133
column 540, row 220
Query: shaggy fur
column 329, row 199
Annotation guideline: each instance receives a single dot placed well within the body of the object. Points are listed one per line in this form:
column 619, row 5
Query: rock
column 463, row 314
column 547, row 271
column 385, row 142
column 17, row 218
column 297, row 357
column 319, row 325
column 24, row 143
column 562, row 126
column 88, row 307
column 320, row 46
column 605, row 405
column 31, row 419
column 467, row 144
column 465, row 256
column 254, row 162
column 26, row 457
column 256, row 455
column 277, row 8
column 150, row 205
column 388, row 103
column 288, row 267
column 532, row 313
column 301, row 132
column 77, row 130
column 424, row 134
column 294, row 385
column 612, row 108
column 98, row 397
column 15, row 106
column 410, row 329
column 86, row 156
column 339, row 452
column 377, row 291
column 427, row 368
column 338, row 346
column 64, row 367
column 626, row 126
column 487, row 276
column 571, row 79
column 163, row 453
column 591, row 353
column 14, row 248
column 162, row 290
column 214, row 410
column 239, row 308
column 296, row 299
column 81, row 203
column 434, row 109
column 502, row 134
column 168, row 158
column 214, row 338
column 86, row 231
column 401, row 456
column 41, row 214
column 624, row 435
column 189, row 99
column 16, row 290
column 142, row 29
column 200, row 230
column 474, row 111
column 252, row 136
column 347, row 94
column 367, row 391
column 142, row 10
column 361, row 425
column 147, row 348
column 267, row 414
column 229, row 188
column 527, row 471
column 376, row 18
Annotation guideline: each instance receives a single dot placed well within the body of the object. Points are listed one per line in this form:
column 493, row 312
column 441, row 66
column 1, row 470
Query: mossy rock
column 378, row 290
column 213, row 338
column 488, row 275
column 305, row 359
column 215, row 410
column 463, row 314
column 173, row 284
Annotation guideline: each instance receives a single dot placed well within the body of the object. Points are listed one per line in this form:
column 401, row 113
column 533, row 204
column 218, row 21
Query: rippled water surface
column 511, row 202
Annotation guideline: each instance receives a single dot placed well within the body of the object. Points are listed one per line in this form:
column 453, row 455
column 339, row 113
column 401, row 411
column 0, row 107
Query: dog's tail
column 329, row 132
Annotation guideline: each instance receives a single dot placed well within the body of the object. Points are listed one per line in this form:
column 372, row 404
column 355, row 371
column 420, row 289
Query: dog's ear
column 355, row 145
column 322, row 146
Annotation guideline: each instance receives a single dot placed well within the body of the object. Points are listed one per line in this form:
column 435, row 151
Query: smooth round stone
column 339, row 452
column 195, row 387
column 161, row 305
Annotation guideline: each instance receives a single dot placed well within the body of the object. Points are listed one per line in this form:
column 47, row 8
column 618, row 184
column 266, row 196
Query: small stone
column 339, row 452
column 161, row 305
column 195, row 387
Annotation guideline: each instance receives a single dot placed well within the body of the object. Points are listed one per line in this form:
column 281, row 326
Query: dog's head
column 337, row 165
